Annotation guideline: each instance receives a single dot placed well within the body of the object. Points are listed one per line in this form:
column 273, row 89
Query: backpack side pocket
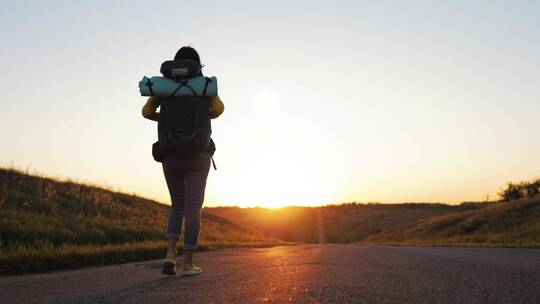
column 157, row 151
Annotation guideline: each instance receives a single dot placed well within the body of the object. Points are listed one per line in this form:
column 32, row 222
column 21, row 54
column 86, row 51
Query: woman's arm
column 216, row 107
column 149, row 109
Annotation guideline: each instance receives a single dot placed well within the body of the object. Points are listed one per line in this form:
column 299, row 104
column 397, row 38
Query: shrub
column 515, row 191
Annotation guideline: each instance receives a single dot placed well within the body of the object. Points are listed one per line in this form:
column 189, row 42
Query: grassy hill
column 503, row 224
column 335, row 224
column 46, row 224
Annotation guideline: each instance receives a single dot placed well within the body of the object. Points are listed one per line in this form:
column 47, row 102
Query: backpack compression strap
column 149, row 84
column 184, row 83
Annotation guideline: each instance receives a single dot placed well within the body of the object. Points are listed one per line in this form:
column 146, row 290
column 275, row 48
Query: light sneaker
column 169, row 266
column 191, row 270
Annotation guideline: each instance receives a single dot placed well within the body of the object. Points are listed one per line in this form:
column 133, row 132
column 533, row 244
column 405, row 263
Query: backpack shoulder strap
column 206, row 82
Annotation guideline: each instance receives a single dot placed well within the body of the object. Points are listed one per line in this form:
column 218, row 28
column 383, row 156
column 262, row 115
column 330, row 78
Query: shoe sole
column 169, row 268
column 190, row 273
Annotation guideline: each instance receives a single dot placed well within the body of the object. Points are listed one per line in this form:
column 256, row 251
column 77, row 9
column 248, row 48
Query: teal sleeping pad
column 166, row 87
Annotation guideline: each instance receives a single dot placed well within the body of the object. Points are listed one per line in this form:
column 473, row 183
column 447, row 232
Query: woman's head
column 187, row 52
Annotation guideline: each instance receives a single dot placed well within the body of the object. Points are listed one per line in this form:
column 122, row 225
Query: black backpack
column 184, row 126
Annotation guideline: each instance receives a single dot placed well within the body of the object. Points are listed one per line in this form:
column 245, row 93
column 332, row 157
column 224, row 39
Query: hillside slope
column 42, row 217
column 335, row 224
column 513, row 224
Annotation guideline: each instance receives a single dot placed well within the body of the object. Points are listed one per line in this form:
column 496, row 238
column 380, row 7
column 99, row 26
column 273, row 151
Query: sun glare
column 266, row 100
column 266, row 181
column 275, row 181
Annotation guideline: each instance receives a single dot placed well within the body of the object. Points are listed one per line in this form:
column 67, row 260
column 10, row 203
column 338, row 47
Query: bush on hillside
column 519, row 190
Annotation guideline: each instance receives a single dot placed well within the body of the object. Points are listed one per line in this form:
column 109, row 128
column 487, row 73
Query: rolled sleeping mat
column 166, row 87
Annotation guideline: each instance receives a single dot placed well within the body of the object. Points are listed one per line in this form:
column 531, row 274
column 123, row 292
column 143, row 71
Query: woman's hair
column 187, row 52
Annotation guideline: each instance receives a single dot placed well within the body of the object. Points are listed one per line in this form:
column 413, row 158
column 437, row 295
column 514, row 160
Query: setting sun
column 266, row 101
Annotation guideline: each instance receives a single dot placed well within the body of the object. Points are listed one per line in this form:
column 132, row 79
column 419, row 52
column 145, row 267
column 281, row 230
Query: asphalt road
column 301, row 274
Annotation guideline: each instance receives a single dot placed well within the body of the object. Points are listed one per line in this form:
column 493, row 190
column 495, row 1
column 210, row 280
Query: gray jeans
column 186, row 180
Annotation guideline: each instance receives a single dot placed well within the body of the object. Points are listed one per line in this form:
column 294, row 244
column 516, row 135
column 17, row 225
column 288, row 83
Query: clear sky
column 389, row 101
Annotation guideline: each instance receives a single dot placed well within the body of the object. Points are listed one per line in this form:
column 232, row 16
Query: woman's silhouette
column 186, row 180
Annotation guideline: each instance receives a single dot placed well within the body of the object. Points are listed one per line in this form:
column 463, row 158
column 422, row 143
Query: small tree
column 512, row 192
column 515, row 191
column 533, row 188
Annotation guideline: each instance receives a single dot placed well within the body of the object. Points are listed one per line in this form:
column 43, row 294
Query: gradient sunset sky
column 326, row 101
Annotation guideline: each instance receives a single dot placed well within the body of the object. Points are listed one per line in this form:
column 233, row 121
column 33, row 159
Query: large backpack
column 184, row 126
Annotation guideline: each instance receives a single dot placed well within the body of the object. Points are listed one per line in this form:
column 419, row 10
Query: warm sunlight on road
column 301, row 274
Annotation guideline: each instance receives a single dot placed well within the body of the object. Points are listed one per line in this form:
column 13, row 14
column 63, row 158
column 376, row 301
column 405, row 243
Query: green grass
column 24, row 259
column 48, row 224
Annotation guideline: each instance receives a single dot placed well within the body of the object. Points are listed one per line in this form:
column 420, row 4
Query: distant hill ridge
column 501, row 224
column 345, row 223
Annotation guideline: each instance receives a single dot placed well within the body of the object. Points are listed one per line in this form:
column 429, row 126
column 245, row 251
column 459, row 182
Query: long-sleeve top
column 149, row 109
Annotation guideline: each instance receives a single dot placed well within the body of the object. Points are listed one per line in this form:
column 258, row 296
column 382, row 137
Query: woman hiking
column 185, row 150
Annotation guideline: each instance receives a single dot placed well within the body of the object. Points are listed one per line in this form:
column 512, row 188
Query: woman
column 186, row 181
